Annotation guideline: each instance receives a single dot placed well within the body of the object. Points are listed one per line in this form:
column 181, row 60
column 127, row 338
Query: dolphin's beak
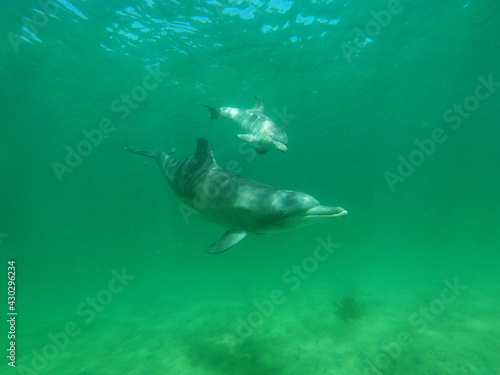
column 281, row 146
column 325, row 211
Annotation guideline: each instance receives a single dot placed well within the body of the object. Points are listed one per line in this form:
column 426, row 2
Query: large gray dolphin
column 235, row 202
column 258, row 128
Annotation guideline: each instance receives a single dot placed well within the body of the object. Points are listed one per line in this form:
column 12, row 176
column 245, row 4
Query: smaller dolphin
column 258, row 127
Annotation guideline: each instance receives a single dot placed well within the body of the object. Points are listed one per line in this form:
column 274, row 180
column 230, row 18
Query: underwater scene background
column 392, row 111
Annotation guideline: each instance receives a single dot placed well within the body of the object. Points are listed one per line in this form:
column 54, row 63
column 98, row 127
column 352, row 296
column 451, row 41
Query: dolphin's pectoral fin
column 261, row 150
column 227, row 241
column 248, row 138
column 258, row 105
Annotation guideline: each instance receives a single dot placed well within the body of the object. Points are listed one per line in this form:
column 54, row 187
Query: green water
column 392, row 111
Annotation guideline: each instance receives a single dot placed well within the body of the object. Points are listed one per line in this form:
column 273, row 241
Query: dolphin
column 242, row 205
column 258, row 128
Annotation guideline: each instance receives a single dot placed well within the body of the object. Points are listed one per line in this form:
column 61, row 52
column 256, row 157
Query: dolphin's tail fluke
column 151, row 154
column 213, row 111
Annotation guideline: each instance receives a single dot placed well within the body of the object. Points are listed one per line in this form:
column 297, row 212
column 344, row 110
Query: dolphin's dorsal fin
column 258, row 105
column 204, row 151
column 227, row 241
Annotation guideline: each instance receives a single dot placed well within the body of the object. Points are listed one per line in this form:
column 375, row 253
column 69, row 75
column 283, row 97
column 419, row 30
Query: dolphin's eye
column 281, row 214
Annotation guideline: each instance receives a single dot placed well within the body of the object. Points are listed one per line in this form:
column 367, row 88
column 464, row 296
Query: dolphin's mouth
column 281, row 146
column 325, row 211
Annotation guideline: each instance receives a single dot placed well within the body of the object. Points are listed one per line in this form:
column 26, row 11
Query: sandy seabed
column 402, row 333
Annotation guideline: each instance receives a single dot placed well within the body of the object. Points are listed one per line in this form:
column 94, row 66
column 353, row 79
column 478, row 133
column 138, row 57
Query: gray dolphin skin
column 235, row 202
column 258, row 128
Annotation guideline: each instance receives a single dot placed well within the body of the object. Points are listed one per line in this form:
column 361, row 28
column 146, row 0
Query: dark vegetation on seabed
column 348, row 309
